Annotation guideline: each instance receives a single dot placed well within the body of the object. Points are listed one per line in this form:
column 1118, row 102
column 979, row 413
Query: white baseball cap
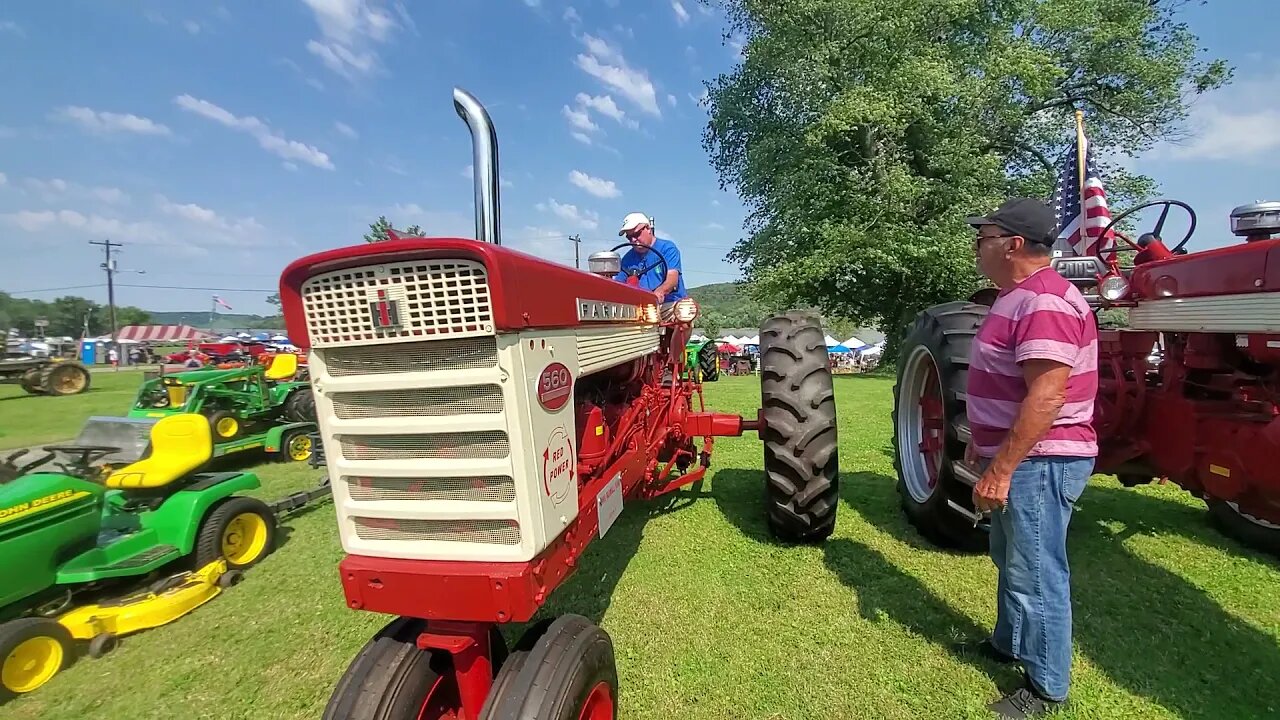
column 633, row 221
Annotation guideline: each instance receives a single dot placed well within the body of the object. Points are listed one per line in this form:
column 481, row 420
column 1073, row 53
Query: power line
column 53, row 289
column 217, row 289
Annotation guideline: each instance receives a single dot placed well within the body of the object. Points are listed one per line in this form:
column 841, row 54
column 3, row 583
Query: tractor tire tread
column 209, row 536
column 800, row 437
column 550, row 679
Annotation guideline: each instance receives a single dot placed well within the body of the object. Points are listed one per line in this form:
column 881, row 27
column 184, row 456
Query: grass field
column 712, row 620
column 27, row 420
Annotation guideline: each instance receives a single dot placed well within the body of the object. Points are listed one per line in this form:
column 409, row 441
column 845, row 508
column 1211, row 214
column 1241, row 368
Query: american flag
column 221, row 302
column 1066, row 201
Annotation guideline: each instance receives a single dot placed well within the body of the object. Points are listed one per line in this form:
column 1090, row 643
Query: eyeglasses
column 977, row 241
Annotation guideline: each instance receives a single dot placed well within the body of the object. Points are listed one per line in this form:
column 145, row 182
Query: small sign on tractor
column 478, row 444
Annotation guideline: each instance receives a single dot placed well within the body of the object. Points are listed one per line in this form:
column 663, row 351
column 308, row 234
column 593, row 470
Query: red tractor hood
column 526, row 291
column 1231, row 270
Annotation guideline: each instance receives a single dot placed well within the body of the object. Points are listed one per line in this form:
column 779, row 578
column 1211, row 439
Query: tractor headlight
column 650, row 313
column 686, row 309
column 1113, row 287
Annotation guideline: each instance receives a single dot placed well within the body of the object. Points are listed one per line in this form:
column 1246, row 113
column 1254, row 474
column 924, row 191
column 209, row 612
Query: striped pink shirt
column 1044, row 316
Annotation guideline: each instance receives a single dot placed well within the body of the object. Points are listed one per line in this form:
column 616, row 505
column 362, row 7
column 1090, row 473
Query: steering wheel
column 1146, row 238
column 637, row 273
column 89, row 454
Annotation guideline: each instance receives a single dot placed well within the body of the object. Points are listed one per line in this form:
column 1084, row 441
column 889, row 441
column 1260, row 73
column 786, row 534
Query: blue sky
column 219, row 141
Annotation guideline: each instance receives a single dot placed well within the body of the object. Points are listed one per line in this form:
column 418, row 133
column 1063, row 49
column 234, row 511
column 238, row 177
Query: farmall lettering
column 558, row 466
column 601, row 311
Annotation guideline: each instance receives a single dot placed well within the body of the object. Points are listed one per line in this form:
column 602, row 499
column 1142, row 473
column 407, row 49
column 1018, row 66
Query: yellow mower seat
column 180, row 445
column 283, row 367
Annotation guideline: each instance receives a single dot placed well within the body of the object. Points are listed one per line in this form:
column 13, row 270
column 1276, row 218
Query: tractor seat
column 180, row 445
column 283, row 367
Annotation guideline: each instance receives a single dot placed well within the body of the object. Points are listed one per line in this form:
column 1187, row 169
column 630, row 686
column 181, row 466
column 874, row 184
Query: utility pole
column 110, row 266
column 577, row 243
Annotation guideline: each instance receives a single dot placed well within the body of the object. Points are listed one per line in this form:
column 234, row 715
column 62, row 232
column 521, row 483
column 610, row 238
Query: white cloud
column 737, row 42
column 671, row 100
column 533, row 3
column 4, row 179
column 701, row 99
column 268, row 139
column 113, row 196
column 596, row 186
column 714, row 226
column 606, row 63
column 191, row 26
column 585, row 219
column 100, row 122
column 605, row 105
column 1224, row 134
column 54, row 186
column 581, row 137
column 346, row 129
column 571, row 16
column 57, row 190
column 579, row 119
column 349, row 29
column 682, row 15
column 12, row 27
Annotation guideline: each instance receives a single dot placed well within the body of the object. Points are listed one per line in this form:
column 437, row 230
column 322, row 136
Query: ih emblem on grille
column 385, row 312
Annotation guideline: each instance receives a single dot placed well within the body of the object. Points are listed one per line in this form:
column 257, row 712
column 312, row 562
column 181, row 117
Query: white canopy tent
column 753, row 340
column 853, row 343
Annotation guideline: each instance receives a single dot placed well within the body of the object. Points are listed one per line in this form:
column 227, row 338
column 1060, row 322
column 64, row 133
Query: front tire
column 570, row 674
column 930, row 428
column 1254, row 532
column 801, row 454
column 32, row 651
column 240, row 531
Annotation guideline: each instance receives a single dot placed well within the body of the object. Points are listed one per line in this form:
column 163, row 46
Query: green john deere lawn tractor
column 116, row 533
column 702, row 361
column 251, row 407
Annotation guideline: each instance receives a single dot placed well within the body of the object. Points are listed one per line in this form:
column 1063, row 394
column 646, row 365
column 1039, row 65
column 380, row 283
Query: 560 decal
column 555, row 386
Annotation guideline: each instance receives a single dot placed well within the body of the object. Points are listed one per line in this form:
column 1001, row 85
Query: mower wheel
column 301, row 406
column 101, row 644
column 801, row 457
column 32, row 651
column 930, row 428
column 296, row 446
column 225, row 426
column 569, row 674
column 240, row 530
column 1244, row 528
column 31, row 382
column 64, row 379
column 393, row 679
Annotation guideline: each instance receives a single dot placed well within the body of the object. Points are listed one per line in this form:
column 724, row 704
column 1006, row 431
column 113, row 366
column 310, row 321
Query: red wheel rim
column 933, row 420
column 442, row 701
column 599, row 704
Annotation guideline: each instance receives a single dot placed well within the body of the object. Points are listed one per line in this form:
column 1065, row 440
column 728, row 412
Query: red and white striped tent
column 160, row 333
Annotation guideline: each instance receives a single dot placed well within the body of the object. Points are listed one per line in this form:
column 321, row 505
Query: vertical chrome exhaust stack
column 484, row 147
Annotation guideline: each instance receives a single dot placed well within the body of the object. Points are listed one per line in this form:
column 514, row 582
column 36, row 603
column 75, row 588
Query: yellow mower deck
column 146, row 608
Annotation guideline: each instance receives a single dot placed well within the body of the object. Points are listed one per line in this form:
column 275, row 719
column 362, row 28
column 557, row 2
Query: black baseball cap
column 1027, row 217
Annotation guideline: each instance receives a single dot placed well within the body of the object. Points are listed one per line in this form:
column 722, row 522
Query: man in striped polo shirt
column 1033, row 375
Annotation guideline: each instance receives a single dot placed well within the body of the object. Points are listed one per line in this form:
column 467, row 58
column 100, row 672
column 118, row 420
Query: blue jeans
column 1029, row 549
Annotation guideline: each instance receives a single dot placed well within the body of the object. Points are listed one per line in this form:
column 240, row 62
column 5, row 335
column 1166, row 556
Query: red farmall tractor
column 487, row 414
column 1189, row 391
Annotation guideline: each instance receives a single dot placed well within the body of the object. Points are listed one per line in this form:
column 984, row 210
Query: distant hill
column 222, row 321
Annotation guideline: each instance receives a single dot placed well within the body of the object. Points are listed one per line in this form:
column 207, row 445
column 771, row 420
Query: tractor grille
column 398, row 302
column 458, row 354
column 420, row 402
column 491, row 532
column 434, row 446
column 492, row 488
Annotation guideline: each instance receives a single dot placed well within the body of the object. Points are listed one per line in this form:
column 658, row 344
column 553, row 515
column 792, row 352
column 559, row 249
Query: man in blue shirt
column 668, row 288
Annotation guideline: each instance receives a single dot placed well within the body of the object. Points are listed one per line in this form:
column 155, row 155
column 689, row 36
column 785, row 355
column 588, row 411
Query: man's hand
column 991, row 492
column 1046, row 393
column 660, row 294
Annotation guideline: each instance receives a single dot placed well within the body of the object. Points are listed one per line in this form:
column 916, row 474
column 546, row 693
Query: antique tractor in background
column 44, row 376
column 1203, row 411
column 487, row 414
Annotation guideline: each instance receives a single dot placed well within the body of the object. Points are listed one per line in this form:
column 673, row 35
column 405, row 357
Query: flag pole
column 1080, row 155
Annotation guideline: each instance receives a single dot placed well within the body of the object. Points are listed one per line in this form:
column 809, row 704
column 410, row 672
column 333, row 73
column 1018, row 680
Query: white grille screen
column 436, row 446
column 492, row 488
column 418, row 402
column 493, row 532
column 457, row 354
column 398, row 302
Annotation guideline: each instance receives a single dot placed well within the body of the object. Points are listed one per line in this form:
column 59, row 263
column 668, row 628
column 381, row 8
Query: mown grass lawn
column 712, row 620
column 27, row 420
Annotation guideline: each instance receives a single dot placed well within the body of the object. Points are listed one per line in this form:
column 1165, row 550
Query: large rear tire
column 801, row 453
column 570, row 674
column 301, row 406
column 709, row 361
column 64, row 379
column 1251, row 531
column 930, row 429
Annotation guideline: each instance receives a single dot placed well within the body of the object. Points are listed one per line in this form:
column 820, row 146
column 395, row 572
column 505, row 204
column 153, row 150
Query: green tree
column 378, row 230
column 129, row 315
column 860, row 133
column 274, row 299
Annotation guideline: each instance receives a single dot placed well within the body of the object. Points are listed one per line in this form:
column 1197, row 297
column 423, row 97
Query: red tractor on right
column 1189, row 391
